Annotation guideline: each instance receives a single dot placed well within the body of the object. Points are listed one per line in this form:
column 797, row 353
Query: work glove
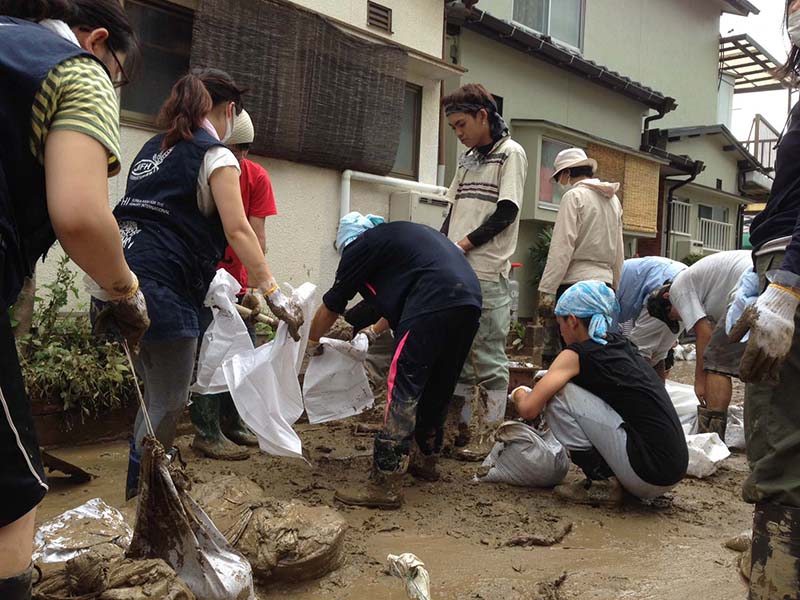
column 547, row 304
column 314, row 349
column 285, row 309
column 255, row 302
column 770, row 321
column 746, row 294
column 369, row 333
column 125, row 316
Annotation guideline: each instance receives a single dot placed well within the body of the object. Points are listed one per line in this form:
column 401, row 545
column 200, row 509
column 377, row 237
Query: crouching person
column 424, row 289
column 606, row 405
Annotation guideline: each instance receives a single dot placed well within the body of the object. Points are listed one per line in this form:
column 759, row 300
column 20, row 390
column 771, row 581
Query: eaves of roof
column 544, row 48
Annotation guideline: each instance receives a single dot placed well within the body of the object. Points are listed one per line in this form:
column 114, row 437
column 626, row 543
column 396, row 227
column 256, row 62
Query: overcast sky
column 766, row 29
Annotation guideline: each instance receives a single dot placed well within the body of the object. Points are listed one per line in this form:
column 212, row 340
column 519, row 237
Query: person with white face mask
column 182, row 207
column 771, row 365
column 587, row 237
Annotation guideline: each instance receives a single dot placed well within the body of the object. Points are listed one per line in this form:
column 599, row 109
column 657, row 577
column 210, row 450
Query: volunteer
column 587, row 236
column 486, row 196
column 182, row 205
column 652, row 337
column 54, row 165
column 219, row 431
column 771, row 366
column 606, row 405
column 423, row 288
column 699, row 297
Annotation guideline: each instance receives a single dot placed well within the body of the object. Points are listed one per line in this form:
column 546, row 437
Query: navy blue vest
column 165, row 236
column 28, row 52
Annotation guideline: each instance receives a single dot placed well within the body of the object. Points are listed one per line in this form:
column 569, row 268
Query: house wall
column 719, row 164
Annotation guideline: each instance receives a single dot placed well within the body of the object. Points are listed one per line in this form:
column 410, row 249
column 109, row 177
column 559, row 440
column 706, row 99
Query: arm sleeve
column 791, row 260
column 505, row 214
column 616, row 270
column 262, row 199
column 562, row 245
column 685, row 298
column 357, row 264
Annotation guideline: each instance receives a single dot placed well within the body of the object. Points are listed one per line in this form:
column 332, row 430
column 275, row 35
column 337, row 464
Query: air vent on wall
column 379, row 16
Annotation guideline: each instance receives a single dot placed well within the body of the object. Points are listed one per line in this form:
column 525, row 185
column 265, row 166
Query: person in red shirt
column 219, row 431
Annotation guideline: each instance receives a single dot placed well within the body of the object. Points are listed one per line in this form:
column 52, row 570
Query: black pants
column 22, row 479
column 429, row 354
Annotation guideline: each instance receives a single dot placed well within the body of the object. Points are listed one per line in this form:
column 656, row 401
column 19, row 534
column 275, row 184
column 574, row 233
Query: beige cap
column 243, row 132
column 572, row 157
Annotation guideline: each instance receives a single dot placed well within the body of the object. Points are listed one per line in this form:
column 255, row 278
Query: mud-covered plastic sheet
column 335, row 385
column 264, row 382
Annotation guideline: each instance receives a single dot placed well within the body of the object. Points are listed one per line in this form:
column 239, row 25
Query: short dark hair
column 582, row 171
column 471, row 93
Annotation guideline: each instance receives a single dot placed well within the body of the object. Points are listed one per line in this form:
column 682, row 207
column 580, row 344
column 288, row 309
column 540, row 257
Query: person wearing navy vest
column 54, row 165
column 182, row 206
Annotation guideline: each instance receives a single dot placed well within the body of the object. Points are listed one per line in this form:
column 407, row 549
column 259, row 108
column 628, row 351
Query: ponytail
column 183, row 112
column 191, row 99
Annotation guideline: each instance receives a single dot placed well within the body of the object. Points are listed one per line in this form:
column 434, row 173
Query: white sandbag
column 523, row 456
column 335, row 385
column 412, row 571
column 685, row 402
column 734, row 432
column 225, row 337
column 706, row 451
column 685, row 352
column 76, row 531
column 264, row 386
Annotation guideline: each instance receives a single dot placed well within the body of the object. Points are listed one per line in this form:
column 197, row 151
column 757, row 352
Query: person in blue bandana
column 606, row 405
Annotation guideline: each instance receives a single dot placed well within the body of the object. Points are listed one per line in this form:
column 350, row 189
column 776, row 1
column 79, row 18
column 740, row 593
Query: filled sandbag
column 286, row 541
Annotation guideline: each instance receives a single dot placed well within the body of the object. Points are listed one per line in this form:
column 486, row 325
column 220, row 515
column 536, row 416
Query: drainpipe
column 349, row 175
column 698, row 167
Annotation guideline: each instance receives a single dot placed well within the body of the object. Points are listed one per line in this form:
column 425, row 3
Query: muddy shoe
column 220, row 448
column 380, row 491
column 241, row 436
column 604, row 492
column 232, row 425
column 424, row 467
column 712, row 421
column 477, row 450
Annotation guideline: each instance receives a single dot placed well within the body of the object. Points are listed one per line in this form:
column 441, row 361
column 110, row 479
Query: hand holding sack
column 124, row 315
column 285, row 309
column 547, row 303
column 255, row 302
column 746, row 294
column 770, row 321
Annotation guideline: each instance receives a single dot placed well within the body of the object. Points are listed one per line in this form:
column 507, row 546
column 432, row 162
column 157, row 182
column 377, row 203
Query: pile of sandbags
column 286, row 541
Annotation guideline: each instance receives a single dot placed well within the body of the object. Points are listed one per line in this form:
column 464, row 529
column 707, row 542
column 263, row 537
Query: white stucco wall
column 719, row 164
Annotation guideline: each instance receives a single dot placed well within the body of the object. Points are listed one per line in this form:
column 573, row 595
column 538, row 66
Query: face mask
column 229, row 124
column 794, row 28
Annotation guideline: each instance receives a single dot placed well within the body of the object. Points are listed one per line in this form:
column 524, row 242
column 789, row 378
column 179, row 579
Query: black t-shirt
column 618, row 375
column 405, row 270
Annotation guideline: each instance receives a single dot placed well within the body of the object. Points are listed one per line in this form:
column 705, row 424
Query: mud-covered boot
column 17, row 587
column 424, row 467
column 712, row 421
column 481, row 432
column 208, row 438
column 601, row 492
column 232, row 425
column 382, row 491
column 775, row 552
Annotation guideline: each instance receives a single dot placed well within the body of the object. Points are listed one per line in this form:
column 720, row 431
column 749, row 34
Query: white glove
column 459, row 247
column 746, row 294
column 357, row 348
column 515, row 390
column 369, row 333
column 286, row 310
column 770, row 321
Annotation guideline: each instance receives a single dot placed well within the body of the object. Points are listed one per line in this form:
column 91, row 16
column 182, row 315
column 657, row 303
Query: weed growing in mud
column 63, row 362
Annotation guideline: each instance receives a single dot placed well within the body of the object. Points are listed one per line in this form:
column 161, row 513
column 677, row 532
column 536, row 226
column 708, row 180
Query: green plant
column 538, row 253
column 692, row 258
column 265, row 330
column 61, row 359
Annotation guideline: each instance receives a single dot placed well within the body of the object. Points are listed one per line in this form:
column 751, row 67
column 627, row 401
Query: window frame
column 131, row 117
column 542, row 204
column 712, row 207
column 417, row 135
column 548, row 4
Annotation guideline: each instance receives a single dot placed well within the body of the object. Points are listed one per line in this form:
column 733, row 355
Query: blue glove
column 746, row 294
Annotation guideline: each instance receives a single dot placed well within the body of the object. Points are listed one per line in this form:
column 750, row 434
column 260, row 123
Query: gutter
column 348, row 175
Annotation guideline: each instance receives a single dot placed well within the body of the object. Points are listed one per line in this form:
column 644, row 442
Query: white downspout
column 348, row 175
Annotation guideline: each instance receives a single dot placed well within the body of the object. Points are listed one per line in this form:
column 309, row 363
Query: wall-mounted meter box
column 419, row 207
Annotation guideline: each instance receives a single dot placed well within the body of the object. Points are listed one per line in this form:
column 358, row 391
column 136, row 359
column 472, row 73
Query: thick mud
column 478, row 540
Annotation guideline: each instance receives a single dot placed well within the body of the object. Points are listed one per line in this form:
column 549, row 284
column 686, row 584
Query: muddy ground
column 460, row 528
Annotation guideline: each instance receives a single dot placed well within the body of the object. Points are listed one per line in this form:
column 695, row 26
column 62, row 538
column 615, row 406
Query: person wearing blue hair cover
column 606, row 405
column 420, row 284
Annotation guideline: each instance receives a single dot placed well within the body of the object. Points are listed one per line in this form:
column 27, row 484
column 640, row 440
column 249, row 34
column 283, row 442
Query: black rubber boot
column 17, row 587
column 712, row 421
column 232, row 425
column 592, row 463
column 134, row 466
column 381, row 491
column 208, row 438
column 775, row 562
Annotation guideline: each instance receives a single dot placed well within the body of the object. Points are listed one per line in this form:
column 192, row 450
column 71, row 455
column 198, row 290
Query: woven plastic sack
column 706, row 451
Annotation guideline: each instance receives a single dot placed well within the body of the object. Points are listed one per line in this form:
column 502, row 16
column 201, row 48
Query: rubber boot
column 17, row 587
column 775, row 566
column 208, row 438
column 382, row 491
column 602, row 492
column 134, row 466
column 481, row 433
column 424, row 466
column 232, row 425
column 712, row 421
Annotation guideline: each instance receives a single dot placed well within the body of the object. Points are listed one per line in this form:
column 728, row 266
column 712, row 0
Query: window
column 560, row 19
column 549, row 193
column 406, row 164
column 165, row 35
column 713, row 213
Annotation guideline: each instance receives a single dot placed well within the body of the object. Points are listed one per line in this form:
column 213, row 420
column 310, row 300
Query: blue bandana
column 590, row 299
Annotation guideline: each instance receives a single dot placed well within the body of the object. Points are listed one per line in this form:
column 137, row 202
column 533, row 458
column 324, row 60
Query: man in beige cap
column 587, row 237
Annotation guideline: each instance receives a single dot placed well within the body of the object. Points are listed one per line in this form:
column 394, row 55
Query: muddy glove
column 123, row 315
column 286, row 310
column 314, row 349
column 369, row 333
column 746, row 294
column 255, row 302
column 770, row 321
column 547, row 304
